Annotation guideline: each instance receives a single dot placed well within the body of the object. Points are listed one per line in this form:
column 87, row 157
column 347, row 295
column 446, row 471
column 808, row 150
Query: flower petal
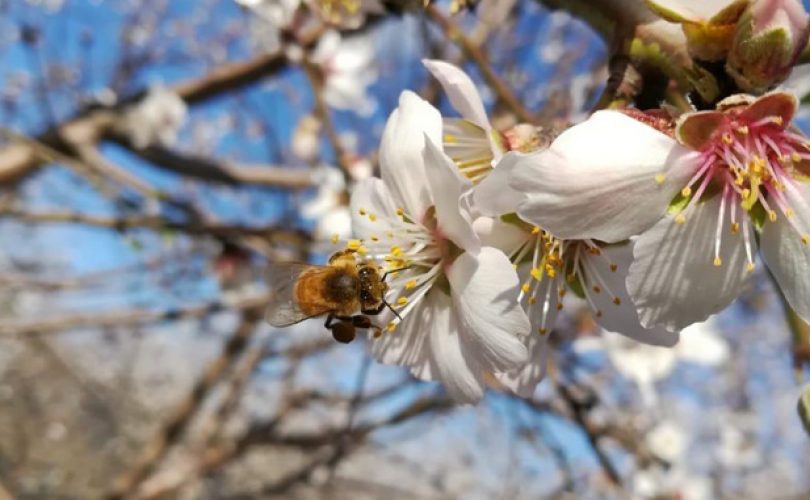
column 523, row 380
column 407, row 345
column 608, row 178
column 451, row 361
column 673, row 280
column 401, row 163
column 786, row 255
column 485, row 292
column 461, row 90
column 371, row 208
column 617, row 312
column 504, row 236
column 493, row 195
column 448, row 186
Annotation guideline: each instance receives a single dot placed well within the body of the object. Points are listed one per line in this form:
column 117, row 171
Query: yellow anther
column 686, row 192
column 536, row 274
column 718, row 261
column 772, row 215
column 377, row 334
column 362, row 250
column 390, row 235
column 617, row 301
column 374, row 237
column 613, row 268
column 735, row 227
column 372, row 217
column 727, row 139
column 778, row 120
column 598, row 314
column 535, row 230
column 362, row 211
column 746, row 193
column 391, row 326
column 742, row 130
column 749, row 267
column 402, row 301
column 680, row 219
column 562, row 292
column 790, row 212
column 410, row 285
column 550, row 271
column 396, row 251
column 400, row 212
column 806, row 240
column 450, row 138
column 660, row 178
column 542, row 331
column 525, row 288
column 354, row 244
column 559, row 306
column 795, row 157
column 532, row 301
column 596, row 289
column 335, row 238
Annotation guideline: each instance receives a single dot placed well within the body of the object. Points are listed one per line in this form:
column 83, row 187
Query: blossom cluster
column 652, row 220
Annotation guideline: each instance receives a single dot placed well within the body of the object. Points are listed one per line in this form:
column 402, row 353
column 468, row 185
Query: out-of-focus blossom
column 770, row 36
column 306, row 138
column 737, row 449
column 458, row 317
column 348, row 69
column 346, row 13
column 329, row 207
column 709, row 25
column 668, row 441
column 700, row 344
column 697, row 201
column 269, row 18
column 154, row 120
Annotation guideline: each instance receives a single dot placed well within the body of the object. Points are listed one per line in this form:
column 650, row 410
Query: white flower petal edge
column 461, row 90
column 674, row 281
column 401, row 163
column 494, row 196
column 493, row 232
column 608, row 178
column 786, row 255
column 524, row 380
column 371, row 195
column 447, row 187
column 485, row 291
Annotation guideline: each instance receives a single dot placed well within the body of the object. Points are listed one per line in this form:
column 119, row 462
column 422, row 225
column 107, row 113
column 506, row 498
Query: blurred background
column 155, row 155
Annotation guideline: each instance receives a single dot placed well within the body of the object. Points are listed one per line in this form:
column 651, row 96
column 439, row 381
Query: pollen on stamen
column 750, row 267
column 559, row 306
column 562, row 292
column 532, row 301
column 362, row 211
column 362, row 250
column 536, row 274
column 772, row 215
column 718, row 261
column 735, row 227
column 597, row 289
column 686, row 192
column 410, row 285
column 354, row 244
column 375, row 238
column 617, row 301
column 377, row 334
column 400, row 212
column 598, row 314
column 396, row 251
column 727, row 139
column 660, row 178
column 391, row 326
column 542, row 331
column 535, row 230
column 372, row 217
column 402, row 301
column 742, row 130
column 680, row 219
column 806, row 239
column 525, row 288
column 795, row 157
column 613, row 268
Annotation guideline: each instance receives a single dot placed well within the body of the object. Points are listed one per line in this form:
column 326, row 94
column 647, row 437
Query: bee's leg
column 343, row 330
column 363, row 321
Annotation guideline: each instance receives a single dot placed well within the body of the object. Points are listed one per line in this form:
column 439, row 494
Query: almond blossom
column 347, row 64
column 696, row 200
column 458, row 318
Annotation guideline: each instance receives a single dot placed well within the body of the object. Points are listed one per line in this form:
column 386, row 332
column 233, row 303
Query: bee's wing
column 284, row 309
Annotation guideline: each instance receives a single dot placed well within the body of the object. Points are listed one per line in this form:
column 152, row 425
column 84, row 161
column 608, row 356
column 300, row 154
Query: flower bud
column 770, row 36
column 708, row 25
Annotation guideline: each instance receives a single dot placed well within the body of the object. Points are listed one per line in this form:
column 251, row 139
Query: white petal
column 673, row 280
column 504, row 236
column 451, row 361
column 622, row 317
column 485, row 291
column 523, row 381
column 447, row 186
column 371, row 197
column 598, row 179
column 493, row 195
column 401, row 163
column 407, row 345
column 785, row 254
column 461, row 90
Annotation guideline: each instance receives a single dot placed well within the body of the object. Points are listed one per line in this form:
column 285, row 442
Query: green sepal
column 575, row 286
column 758, row 216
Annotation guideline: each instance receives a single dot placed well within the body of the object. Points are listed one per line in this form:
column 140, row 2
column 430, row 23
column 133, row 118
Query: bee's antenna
column 392, row 309
column 394, row 271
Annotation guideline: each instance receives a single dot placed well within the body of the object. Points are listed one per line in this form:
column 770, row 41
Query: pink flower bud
column 770, row 36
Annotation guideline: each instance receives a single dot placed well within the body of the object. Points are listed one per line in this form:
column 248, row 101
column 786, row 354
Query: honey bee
column 339, row 289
